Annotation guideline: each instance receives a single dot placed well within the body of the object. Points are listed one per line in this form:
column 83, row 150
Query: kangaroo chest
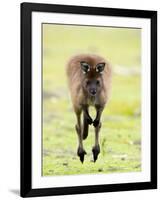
column 92, row 100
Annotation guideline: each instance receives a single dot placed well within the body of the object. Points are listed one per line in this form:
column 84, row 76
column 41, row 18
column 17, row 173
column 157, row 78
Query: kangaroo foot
column 81, row 153
column 96, row 151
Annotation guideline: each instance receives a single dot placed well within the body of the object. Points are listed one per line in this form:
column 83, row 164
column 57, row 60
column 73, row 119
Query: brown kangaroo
column 89, row 79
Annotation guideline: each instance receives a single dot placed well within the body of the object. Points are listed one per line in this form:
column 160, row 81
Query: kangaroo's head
column 92, row 81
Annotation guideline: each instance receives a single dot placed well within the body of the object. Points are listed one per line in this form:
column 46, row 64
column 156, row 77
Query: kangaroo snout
column 93, row 91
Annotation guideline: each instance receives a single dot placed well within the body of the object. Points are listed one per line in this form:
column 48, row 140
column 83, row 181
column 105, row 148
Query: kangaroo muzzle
column 93, row 91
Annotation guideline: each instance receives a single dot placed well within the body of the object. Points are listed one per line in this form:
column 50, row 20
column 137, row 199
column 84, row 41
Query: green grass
column 120, row 136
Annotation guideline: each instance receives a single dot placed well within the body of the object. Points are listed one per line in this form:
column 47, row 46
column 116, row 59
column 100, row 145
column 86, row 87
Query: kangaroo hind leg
column 80, row 151
column 85, row 126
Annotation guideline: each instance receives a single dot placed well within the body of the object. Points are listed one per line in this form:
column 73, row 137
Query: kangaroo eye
column 97, row 82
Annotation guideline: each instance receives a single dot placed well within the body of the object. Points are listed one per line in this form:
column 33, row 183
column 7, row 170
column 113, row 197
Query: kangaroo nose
column 93, row 91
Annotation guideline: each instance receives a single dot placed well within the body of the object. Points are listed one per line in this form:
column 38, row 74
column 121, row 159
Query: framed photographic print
column 88, row 99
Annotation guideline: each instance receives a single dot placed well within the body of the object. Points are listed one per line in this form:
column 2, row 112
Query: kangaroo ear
column 100, row 67
column 85, row 67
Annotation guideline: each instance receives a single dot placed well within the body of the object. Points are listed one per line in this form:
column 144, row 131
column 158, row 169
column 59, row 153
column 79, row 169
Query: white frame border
column 77, row 180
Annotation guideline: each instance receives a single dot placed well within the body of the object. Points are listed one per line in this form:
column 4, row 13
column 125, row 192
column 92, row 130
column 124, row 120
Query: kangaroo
column 89, row 80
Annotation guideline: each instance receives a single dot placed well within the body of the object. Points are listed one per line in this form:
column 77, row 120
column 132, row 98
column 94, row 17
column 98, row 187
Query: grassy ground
column 120, row 136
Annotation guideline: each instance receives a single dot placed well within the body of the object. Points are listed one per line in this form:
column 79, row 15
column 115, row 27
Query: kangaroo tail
column 85, row 127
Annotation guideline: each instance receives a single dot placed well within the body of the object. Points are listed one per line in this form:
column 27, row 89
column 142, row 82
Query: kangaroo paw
column 96, row 151
column 81, row 153
column 96, row 122
column 89, row 120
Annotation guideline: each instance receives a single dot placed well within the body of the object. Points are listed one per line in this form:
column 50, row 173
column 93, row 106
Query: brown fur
column 81, row 100
column 75, row 77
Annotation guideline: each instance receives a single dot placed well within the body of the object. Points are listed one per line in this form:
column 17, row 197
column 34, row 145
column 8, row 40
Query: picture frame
column 27, row 119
